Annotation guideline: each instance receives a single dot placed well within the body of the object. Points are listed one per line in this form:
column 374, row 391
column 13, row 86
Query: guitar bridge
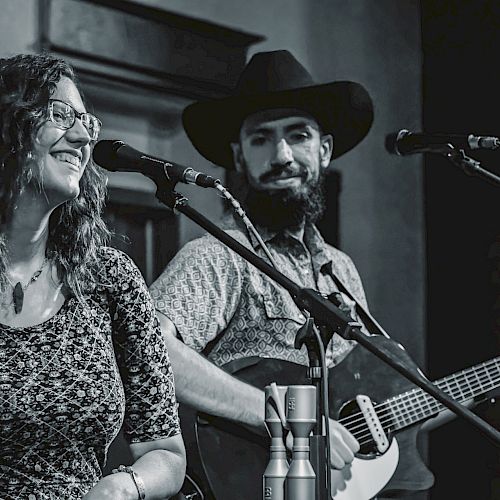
column 372, row 421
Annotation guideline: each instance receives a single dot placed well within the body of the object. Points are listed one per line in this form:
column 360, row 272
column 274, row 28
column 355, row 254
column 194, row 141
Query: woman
column 80, row 346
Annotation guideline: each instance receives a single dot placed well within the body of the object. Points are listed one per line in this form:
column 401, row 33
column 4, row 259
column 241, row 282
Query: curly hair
column 76, row 228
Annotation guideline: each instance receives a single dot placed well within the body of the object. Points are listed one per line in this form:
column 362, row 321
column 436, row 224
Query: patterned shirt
column 68, row 384
column 214, row 296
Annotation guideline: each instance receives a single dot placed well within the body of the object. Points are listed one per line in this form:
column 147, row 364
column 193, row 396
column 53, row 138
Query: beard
column 280, row 209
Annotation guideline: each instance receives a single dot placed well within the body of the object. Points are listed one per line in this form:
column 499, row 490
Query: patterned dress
column 222, row 304
column 68, row 384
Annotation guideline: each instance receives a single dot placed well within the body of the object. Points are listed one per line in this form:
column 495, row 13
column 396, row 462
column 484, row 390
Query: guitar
column 233, row 459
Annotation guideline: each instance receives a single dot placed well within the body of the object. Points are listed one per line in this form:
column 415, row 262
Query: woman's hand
column 118, row 486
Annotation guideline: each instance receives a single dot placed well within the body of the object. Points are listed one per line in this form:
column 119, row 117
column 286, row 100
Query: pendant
column 18, row 297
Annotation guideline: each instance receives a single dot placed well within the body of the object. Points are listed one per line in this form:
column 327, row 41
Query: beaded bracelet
column 139, row 483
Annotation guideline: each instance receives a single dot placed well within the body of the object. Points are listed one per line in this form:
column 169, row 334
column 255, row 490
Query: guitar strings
column 366, row 437
column 483, row 379
column 478, row 386
column 362, row 436
column 462, row 375
column 426, row 398
column 431, row 404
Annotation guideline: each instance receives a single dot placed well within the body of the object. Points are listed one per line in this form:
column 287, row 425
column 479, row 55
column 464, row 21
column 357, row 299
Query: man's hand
column 343, row 445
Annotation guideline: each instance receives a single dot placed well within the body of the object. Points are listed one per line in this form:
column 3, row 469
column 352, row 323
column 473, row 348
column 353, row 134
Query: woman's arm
column 151, row 423
column 160, row 464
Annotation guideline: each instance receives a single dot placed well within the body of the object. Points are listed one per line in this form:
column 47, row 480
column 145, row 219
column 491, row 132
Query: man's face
column 283, row 156
column 281, row 149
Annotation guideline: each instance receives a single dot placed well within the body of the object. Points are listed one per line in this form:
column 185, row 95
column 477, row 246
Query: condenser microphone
column 405, row 142
column 117, row 156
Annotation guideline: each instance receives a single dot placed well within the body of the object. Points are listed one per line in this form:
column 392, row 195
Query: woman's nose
column 78, row 133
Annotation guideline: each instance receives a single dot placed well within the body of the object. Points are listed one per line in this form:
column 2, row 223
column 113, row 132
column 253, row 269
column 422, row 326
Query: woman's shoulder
column 113, row 263
column 111, row 254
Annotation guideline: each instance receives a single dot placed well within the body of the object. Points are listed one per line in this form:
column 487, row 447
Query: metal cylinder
column 273, row 482
column 300, row 482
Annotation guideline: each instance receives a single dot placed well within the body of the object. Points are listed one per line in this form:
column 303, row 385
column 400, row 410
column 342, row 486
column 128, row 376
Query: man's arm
column 205, row 387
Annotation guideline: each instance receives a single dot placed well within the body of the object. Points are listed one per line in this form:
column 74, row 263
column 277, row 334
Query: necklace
column 19, row 288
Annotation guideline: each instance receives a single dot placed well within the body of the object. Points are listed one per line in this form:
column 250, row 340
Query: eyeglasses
column 63, row 115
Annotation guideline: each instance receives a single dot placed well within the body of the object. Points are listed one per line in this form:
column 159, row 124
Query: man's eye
column 300, row 136
column 257, row 141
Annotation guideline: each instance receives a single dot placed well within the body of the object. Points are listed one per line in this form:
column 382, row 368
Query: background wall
column 378, row 44
column 381, row 204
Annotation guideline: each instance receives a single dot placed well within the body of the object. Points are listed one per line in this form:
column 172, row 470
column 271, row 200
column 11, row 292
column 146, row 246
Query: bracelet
column 139, row 483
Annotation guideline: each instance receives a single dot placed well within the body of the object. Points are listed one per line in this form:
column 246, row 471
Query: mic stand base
column 317, row 457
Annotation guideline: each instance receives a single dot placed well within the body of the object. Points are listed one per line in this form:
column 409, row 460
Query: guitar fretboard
column 416, row 405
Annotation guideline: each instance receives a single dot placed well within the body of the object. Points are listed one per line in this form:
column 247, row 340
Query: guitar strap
column 371, row 324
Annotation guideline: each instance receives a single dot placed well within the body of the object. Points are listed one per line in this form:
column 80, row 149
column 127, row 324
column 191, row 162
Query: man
column 279, row 131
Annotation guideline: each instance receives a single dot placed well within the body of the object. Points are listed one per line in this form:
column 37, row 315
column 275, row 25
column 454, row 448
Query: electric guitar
column 230, row 460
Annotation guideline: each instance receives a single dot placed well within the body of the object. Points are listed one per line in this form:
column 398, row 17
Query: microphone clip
column 470, row 166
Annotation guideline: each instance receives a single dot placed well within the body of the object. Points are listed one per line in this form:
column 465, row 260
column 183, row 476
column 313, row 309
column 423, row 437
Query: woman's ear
column 326, row 150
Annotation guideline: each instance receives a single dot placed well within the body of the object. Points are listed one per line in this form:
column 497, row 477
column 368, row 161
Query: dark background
column 461, row 82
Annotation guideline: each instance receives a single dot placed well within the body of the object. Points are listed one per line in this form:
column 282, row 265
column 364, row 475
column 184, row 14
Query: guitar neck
column 416, row 405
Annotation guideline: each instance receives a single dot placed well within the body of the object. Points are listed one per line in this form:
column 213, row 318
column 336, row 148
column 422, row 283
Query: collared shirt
column 212, row 295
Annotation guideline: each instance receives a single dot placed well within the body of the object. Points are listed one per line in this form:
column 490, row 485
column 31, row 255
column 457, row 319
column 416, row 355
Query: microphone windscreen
column 104, row 154
column 391, row 143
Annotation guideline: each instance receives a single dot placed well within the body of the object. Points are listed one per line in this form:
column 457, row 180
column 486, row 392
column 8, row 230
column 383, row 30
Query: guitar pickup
column 372, row 421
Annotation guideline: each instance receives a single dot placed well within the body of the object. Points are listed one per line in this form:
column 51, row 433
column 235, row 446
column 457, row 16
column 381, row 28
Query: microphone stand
column 467, row 164
column 319, row 453
column 324, row 312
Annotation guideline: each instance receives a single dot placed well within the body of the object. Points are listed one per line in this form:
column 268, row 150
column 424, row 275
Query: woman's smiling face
column 62, row 155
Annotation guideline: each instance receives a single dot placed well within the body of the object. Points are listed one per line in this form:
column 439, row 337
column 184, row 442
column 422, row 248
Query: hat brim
column 343, row 109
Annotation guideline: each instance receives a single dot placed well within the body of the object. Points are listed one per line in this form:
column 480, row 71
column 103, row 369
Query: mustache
column 282, row 171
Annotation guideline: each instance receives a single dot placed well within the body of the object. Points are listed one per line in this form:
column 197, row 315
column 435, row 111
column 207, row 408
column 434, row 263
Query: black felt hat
column 277, row 80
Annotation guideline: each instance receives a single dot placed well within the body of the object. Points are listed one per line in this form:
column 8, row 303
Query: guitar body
column 348, row 485
column 361, row 372
column 233, row 459
column 224, row 457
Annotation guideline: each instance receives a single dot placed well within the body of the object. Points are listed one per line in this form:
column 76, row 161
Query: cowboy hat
column 277, row 80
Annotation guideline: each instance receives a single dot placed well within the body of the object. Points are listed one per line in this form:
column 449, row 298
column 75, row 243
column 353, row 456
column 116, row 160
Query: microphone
column 404, row 142
column 117, row 156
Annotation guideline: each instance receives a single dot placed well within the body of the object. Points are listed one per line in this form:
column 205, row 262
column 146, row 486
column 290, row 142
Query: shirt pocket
column 278, row 304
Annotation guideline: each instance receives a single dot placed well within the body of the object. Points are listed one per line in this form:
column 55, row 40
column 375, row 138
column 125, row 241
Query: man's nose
column 283, row 154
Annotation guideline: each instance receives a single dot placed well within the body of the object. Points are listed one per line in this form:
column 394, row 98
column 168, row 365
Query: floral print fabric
column 68, row 384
